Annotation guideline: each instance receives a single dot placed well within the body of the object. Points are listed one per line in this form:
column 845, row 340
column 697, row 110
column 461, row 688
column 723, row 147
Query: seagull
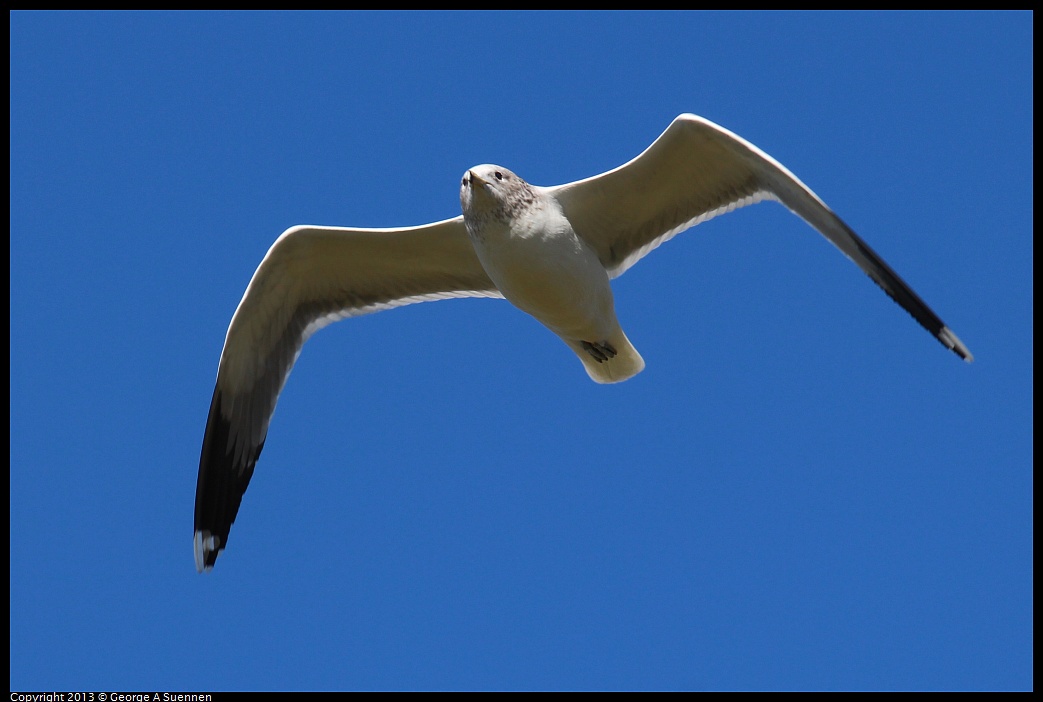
column 550, row 251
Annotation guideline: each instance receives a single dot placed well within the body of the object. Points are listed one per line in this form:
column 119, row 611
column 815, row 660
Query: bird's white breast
column 542, row 267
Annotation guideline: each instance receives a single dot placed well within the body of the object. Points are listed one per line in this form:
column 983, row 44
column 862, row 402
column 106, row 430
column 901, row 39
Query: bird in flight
column 550, row 251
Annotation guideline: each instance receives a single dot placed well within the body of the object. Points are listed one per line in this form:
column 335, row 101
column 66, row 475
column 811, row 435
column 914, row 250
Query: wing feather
column 695, row 171
column 311, row 277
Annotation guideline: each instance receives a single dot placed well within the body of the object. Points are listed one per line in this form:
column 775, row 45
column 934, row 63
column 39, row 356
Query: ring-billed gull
column 550, row 251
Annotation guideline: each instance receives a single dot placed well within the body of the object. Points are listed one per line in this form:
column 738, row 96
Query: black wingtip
column 898, row 290
column 220, row 486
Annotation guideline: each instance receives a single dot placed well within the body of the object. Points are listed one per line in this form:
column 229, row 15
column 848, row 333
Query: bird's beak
column 475, row 180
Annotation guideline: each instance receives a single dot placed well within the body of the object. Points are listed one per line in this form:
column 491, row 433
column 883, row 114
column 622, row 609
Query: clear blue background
column 803, row 490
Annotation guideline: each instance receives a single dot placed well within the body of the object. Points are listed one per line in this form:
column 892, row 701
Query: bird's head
column 493, row 192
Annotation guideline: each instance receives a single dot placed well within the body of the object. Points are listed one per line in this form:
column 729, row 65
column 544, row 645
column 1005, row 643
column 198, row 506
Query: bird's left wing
column 311, row 277
column 697, row 170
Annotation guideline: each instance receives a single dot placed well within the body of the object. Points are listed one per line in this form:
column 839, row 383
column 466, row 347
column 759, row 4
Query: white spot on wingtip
column 202, row 546
column 954, row 343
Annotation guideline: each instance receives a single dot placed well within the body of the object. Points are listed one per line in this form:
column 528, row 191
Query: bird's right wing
column 311, row 277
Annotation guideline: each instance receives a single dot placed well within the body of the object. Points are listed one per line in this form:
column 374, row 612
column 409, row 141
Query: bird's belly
column 562, row 284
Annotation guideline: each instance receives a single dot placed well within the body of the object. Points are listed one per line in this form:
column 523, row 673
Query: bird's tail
column 611, row 361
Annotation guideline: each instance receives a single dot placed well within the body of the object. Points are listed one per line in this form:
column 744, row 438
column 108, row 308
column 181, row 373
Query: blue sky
column 803, row 490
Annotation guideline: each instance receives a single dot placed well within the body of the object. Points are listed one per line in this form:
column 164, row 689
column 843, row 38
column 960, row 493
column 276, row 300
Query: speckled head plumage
column 490, row 192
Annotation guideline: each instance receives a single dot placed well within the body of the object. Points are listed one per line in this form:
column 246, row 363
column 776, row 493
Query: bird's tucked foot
column 600, row 351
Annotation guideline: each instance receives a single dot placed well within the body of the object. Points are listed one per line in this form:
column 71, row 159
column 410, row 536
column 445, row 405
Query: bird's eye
column 499, row 176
